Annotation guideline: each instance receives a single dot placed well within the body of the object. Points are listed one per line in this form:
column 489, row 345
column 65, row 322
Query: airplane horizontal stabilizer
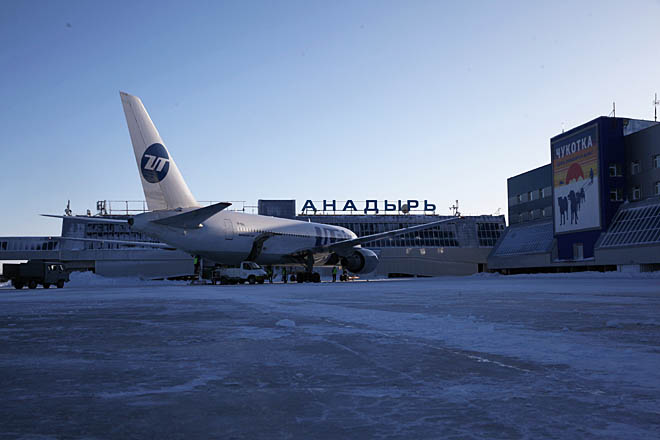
column 192, row 219
column 90, row 219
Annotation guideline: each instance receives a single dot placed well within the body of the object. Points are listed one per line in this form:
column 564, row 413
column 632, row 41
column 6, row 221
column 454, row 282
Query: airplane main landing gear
column 308, row 277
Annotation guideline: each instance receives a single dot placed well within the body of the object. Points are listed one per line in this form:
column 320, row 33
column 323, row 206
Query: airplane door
column 229, row 230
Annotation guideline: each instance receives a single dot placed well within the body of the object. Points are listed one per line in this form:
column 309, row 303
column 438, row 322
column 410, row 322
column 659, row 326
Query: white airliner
column 224, row 236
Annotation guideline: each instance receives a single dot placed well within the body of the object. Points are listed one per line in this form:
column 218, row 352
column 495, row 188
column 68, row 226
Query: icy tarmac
column 566, row 357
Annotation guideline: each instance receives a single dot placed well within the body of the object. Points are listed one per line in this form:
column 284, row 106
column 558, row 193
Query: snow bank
column 486, row 275
column 90, row 279
column 613, row 274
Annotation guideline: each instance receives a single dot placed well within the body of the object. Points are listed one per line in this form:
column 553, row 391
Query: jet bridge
column 104, row 258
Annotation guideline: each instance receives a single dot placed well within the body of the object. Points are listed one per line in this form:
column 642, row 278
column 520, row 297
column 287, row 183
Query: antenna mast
column 454, row 208
column 655, row 104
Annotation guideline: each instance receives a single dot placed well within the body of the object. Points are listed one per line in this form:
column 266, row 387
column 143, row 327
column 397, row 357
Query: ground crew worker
column 334, row 273
column 196, row 262
column 269, row 273
column 284, row 274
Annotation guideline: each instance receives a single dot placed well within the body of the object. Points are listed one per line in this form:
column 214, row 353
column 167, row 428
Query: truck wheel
column 46, row 285
column 18, row 284
column 60, row 284
column 261, row 280
column 252, row 279
column 32, row 284
column 316, row 277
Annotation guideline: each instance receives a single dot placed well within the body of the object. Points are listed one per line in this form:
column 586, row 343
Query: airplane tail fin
column 163, row 185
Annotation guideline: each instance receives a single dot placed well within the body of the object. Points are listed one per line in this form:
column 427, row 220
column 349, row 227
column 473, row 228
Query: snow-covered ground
column 558, row 356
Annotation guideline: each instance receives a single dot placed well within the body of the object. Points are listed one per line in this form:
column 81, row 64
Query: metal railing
column 133, row 207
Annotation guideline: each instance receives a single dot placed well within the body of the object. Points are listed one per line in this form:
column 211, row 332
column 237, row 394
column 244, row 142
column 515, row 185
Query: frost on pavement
column 560, row 356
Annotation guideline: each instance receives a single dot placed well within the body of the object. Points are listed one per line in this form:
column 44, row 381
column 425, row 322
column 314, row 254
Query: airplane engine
column 360, row 261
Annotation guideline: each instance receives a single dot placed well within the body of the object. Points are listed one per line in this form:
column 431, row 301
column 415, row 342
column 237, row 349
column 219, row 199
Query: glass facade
column 439, row 236
column 634, row 226
column 29, row 244
column 109, row 231
column 470, row 231
column 527, row 239
column 489, row 233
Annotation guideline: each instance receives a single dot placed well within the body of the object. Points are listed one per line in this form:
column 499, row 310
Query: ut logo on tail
column 155, row 163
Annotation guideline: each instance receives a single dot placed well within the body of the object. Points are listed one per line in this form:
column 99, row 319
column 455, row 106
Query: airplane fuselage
column 231, row 237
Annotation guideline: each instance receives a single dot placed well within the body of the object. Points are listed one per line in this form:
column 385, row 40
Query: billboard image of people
column 576, row 191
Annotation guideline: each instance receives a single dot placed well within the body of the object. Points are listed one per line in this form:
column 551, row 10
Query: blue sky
column 307, row 99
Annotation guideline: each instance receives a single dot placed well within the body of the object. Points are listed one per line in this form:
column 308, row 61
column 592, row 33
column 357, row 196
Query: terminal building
column 455, row 248
column 595, row 206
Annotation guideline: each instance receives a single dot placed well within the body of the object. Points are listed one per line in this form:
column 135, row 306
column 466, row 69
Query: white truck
column 246, row 272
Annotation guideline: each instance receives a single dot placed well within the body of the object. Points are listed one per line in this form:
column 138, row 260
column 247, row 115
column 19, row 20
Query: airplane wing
column 342, row 245
column 124, row 242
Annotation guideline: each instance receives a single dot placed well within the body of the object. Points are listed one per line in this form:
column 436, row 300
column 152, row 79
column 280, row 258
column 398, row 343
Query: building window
column 657, row 188
column 615, row 170
column 616, row 195
column 656, row 161
column 634, row 167
column 530, row 195
column 545, row 192
column 636, row 193
column 519, row 198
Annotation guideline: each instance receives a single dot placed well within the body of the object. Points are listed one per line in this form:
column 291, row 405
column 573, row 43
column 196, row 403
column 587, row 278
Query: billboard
column 575, row 183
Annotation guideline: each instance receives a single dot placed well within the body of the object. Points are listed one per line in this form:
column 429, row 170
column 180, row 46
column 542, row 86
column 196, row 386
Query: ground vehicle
column 247, row 271
column 36, row 272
